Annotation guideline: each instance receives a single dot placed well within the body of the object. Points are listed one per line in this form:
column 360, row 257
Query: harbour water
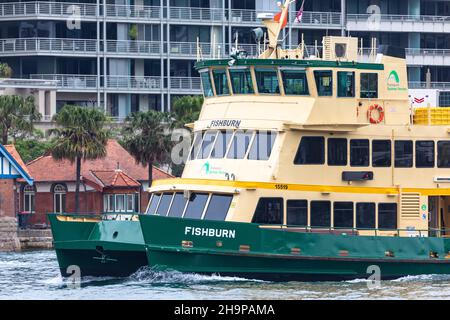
column 35, row 275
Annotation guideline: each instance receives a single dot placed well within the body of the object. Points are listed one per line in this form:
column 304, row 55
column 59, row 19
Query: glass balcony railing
column 47, row 9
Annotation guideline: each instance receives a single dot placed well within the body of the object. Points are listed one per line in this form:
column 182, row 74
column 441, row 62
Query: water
column 35, row 275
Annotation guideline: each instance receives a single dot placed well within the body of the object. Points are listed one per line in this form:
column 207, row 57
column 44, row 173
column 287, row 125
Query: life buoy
column 380, row 113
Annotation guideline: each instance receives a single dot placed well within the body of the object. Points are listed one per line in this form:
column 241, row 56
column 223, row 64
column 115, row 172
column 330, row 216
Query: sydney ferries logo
column 393, row 82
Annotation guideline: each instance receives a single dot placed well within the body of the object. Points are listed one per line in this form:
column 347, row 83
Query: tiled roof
column 46, row 168
column 13, row 152
column 114, row 178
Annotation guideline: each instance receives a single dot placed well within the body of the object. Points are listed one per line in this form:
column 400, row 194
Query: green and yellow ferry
column 307, row 167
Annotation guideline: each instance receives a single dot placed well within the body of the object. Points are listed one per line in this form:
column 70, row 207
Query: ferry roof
column 289, row 62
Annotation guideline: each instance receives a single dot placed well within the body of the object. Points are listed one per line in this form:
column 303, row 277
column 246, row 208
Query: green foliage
column 80, row 134
column 31, row 149
column 145, row 137
column 186, row 110
column 5, row 70
column 17, row 115
column 133, row 32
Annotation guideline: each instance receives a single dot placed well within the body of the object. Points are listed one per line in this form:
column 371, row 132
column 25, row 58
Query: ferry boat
column 307, row 167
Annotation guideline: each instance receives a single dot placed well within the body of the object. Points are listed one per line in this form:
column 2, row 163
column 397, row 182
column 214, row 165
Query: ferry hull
column 259, row 253
column 98, row 248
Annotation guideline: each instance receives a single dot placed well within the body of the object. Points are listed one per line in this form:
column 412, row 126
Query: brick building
column 112, row 184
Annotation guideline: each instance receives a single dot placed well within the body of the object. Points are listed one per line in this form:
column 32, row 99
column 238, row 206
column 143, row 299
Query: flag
column 277, row 18
column 299, row 16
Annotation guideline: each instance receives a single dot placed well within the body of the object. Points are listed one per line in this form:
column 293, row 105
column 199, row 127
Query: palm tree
column 80, row 136
column 144, row 136
column 17, row 115
column 186, row 109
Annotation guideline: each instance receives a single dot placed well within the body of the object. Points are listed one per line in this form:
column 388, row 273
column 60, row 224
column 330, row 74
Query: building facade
column 130, row 55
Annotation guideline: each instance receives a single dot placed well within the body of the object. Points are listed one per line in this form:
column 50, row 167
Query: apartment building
column 129, row 55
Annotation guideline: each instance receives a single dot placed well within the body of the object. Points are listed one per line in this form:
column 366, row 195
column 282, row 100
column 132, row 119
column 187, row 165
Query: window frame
column 438, row 161
column 201, row 73
column 257, row 69
column 312, row 214
column 241, row 69
column 375, row 141
column 411, row 142
column 368, row 82
column 368, row 153
column 297, row 154
column 287, row 212
column 297, row 71
column 227, row 76
column 339, row 84
column 346, row 152
column 373, row 205
column 396, row 215
column 281, row 201
column 317, row 77
column 353, row 213
column 419, row 154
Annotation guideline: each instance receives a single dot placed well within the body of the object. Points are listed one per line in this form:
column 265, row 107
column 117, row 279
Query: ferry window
column 164, row 204
column 381, row 153
column 241, row 81
column 346, row 84
column 425, row 154
column 196, row 145
column 369, row 85
column 324, row 83
column 269, row 211
column 294, row 82
column 267, row 81
column 153, row 203
column 178, row 204
column 343, row 214
column 365, row 215
column 320, row 214
column 262, row 145
column 218, row 207
column 443, row 156
column 206, row 84
column 207, row 144
column 387, row 216
column 337, row 152
column 311, row 151
column 239, row 144
column 297, row 212
column 195, row 206
column 221, row 82
column 403, row 153
column 222, row 141
column 359, row 153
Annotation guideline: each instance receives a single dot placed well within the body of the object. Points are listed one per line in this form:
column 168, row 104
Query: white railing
column 48, row 45
column 427, row 52
column 69, row 81
column 133, row 82
column 52, row 9
column 320, row 18
column 133, row 47
column 133, row 12
column 196, row 14
column 185, row 83
column 399, row 18
column 433, row 85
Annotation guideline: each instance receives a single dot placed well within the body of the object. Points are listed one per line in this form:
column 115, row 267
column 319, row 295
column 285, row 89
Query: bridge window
column 387, row 216
column 239, row 144
column 359, row 153
column 311, row 151
column 218, row 207
column 196, row 145
column 207, row 144
column 241, row 81
column 337, row 152
column 443, row 156
column 164, row 204
column 425, row 154
column 320, row 214
column 294, row 82
column 369, row 85
column 381, row 153
column 267, row 81
column 262, row 145
column 297, row 212
column 221, row 82
column 206, row 84
column 196, row 205
column 346, row 84
column 403, row 154
column 343, row 214
column 222, row 142
column 365, row 215
column 177, row 207
column 269, row 211
column 153, row 203
column 324, row 83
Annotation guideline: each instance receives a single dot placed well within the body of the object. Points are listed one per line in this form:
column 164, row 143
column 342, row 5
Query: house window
column 28, row 198
column 59, row 198
column 126, row 202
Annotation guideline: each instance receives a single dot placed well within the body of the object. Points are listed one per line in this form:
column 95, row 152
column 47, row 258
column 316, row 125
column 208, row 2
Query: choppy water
column 35, row 275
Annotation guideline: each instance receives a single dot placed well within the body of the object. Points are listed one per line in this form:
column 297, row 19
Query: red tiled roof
column 13, row 152
column 114, row 178
column 46, row 168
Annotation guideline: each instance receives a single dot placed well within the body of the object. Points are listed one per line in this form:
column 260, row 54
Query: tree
column 79, row 136
column 186, row 110
column 144, row 136
column 5, row 70
column 17, row 115
column 30, row 149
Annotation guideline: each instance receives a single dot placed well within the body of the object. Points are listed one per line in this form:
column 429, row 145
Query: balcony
column 128, row 48
column 419, row 56
column 185, row 85
column 399, row 23
column 433, row 85
column 133, row 13
column 191, row 15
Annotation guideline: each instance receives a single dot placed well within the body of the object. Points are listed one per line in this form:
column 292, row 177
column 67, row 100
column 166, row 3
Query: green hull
column 103, row 248
column 259, row 253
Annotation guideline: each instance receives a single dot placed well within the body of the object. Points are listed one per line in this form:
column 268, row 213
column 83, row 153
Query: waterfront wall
column 12, row 239
column 9, row 240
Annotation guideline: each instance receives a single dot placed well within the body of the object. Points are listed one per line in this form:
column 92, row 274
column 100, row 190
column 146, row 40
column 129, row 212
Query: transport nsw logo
column 393, row 82
column 208, row 169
